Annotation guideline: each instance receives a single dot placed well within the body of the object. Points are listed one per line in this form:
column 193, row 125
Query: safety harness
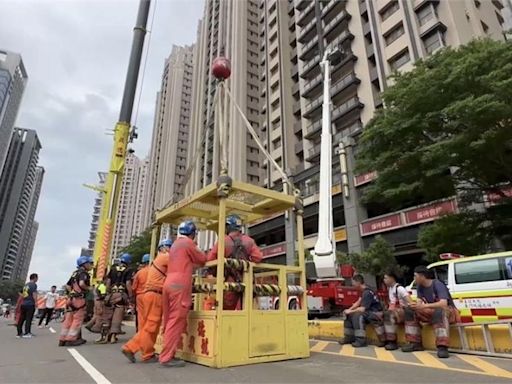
column 76, row 291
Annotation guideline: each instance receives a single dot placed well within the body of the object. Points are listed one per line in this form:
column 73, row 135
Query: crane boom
column 114, row 178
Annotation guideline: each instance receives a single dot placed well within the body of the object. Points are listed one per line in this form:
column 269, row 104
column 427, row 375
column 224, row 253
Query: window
column 432, row 42
column 477, row 271
column 425, row 14
column 508, row 267
column 441, row 273
column 394, row 34
column 276, row 144
column 399, row 60
column 388, row 11
column 485, row 27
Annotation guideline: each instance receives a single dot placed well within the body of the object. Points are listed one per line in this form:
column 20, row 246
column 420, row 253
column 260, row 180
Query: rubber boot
column 412, row 347
column 62, row 343
column 442, row 352
column 391, row 346
column 346, row 340
column 174, row 363
column 359, row 343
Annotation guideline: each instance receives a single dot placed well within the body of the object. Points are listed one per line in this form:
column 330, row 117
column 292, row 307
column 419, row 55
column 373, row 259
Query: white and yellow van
column 481, row 286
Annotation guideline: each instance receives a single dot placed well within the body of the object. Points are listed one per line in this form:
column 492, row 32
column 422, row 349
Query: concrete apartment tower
column 170, row 140
column 20, row 187
column 229, row 28
column 98, row 200
column 13, row 79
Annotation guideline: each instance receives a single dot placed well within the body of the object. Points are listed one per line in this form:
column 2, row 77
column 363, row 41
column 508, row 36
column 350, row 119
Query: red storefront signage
column 430, row 212
column 381, row 224
column 273, row 250
column 494, row 198
column 365, row 178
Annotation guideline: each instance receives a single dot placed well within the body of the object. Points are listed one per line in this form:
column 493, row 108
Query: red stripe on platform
column 483, row 311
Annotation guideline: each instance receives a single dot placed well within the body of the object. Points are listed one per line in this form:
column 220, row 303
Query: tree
column 139, row 246
column 9, row 289
column 447, row 127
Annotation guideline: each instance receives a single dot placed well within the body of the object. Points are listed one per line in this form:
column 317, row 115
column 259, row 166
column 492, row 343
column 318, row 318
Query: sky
column 76, row 55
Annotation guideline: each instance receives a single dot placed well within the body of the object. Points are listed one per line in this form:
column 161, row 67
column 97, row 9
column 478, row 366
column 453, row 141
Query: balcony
column 345, row 108
column 308, row 28
column 311, row 85
column 335, row 22
column 299, row 148
column 295, row 70
column 295, row 89
column 420, row 3
column 293, row 54
column 362, row 7
column 340, row 39
column 301, row 4
column 311, row 107
column 310, row 66
column 345, row 82
column 296, row 107
column 291, row 23
column 304, row 16
column 297, row 127
column 329, row 7
column 313, row 153
column 313, row 128
column 366, row 29
column 308, row 49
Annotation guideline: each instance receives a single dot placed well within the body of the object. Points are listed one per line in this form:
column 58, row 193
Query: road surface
column 40, row 360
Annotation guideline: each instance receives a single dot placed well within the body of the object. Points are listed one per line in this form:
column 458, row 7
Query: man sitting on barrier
column 434, row 306
column 398, row 300
column 237, row 246
column 367, row 309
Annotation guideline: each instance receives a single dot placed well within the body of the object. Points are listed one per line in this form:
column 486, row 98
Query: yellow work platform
column 223, row 338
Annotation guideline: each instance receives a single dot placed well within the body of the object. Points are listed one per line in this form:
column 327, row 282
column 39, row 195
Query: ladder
column 488, row 338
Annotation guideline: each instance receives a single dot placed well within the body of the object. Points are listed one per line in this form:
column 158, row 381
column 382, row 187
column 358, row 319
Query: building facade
column 169, row 145
column 13, row 79
column 375, row 38
column 20, row 186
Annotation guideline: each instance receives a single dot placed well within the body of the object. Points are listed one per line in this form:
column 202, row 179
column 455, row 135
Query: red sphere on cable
column 221, row 68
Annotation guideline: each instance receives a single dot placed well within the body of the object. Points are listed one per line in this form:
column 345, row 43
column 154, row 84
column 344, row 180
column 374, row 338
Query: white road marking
column 52, row 330
column 88, row 367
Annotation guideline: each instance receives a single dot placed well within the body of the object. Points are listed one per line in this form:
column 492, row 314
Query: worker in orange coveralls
column 145, row 338
column 77, row 287
column 237, row 246
column 139, row 281
column 183, row 256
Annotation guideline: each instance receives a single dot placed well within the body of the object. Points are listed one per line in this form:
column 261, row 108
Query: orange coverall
column 253, row 252
column 139, row 281
column 183, row 255
column 145, row 338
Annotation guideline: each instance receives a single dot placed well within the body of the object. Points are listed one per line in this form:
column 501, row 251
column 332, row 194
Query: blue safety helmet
column 145, row 258
column 126, row 258
column 234, row 223
column 187, row 228
column 84, row 260
column 165, row 243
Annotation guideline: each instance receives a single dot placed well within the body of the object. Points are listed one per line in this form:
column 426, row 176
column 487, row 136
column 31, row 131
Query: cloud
column 76, row 54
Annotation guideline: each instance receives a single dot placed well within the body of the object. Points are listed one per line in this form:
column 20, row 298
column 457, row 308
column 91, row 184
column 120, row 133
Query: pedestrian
column 366, row 310
column 50, row 300
column 434, row 306
column 177, row 291
column 237, row 246
column 139, row 281
column 398, row 300
column 27, row 307
column 145, row 338
column 119, row 293
column 77, row 286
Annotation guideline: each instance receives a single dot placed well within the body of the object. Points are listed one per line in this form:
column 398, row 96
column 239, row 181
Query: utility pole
column 122, row 135
column 325, row 247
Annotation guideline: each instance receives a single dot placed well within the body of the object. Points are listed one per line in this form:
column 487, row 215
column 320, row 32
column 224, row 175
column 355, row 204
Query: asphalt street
column 40, row 360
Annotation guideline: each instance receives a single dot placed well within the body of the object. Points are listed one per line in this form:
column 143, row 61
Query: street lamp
column 325, row 248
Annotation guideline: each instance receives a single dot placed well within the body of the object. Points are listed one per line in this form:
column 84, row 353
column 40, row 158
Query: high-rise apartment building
column 375, row 38
column 26, row 255
column 13, row 78
column 124, row 232
column 96, row 211
column 20, row 186
column 140, row 221
column 506, row 12
column 169, row 146
column 229, row 28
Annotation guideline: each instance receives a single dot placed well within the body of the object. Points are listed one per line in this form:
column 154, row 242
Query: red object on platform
column 221, row 68
column 347, row 271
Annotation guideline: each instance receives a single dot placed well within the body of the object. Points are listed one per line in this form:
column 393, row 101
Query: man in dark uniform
column 119, row 293
column 366, row 310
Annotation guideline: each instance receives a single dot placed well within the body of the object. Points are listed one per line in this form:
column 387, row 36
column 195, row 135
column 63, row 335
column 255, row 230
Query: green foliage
column 463, row 233
column 453, row 111
column 9, row 289
column 139, row 246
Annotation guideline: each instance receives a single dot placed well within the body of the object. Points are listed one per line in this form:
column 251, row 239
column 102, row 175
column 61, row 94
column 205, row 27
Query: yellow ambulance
column 481, row 286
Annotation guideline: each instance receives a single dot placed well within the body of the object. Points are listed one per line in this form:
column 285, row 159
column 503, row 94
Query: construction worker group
column 161, row 291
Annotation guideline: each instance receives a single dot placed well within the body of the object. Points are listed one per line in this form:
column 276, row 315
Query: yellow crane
column 123, row 134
